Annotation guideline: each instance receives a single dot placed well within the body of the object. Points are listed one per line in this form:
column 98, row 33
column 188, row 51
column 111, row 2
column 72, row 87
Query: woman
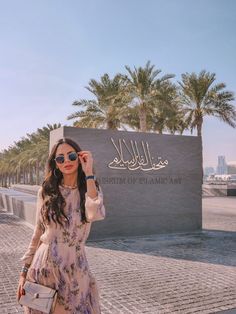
column 69, row 200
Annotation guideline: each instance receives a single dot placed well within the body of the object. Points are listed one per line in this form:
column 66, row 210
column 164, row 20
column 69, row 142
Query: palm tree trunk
column 18, row 175
column 31, row 175
column 37, row 172
column 199, row 127
column 143, row 120
column 25, row 177
column 110, row 125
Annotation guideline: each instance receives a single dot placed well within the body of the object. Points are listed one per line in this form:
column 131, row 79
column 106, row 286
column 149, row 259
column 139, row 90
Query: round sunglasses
column 61, row 159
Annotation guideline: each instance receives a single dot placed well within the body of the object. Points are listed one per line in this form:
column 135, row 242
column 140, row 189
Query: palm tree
column 167, row 114
column 38, row 151
column 200, row 98
column 108, row 107
column 143, row 86
column 26, row 158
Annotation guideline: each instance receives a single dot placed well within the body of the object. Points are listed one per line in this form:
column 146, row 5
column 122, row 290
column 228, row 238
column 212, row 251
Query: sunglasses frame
column 63, row 157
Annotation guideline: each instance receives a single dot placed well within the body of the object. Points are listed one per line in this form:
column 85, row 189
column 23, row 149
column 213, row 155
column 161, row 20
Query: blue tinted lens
column 72, row 156
column 60, row 159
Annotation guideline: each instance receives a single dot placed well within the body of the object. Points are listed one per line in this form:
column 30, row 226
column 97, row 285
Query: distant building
column 222, row 166
column 221, row 178
column 208, row 171
column 231, row 167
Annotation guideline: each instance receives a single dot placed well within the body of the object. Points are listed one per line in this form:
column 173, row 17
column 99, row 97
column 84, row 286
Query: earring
column 54, row 172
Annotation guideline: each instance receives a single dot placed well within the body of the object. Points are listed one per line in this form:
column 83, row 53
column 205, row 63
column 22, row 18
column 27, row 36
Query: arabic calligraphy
column 136, row 161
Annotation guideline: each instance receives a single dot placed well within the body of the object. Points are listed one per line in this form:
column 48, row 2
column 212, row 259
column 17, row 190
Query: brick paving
column 192, row 272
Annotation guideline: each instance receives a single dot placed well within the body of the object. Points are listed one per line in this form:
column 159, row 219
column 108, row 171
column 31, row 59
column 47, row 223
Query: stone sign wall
column 151, row 182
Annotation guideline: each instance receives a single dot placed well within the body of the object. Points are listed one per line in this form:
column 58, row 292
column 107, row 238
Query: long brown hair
column 54, row 202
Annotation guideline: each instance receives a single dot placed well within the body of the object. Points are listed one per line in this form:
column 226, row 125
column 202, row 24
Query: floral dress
column 59, row 262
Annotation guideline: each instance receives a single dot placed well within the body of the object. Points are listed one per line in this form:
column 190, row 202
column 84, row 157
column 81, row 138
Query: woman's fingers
column 84, row 153
column 85, row 158
column 20, row 289
column 81, row 159
column 19, row 292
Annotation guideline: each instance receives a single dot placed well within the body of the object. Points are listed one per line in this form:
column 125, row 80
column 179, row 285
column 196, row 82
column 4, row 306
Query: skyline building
column 221, row 166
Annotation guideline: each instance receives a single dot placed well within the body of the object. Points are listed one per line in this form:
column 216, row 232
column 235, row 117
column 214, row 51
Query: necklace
column 69, row 186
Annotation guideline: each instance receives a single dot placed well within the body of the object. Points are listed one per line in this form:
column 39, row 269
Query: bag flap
column 42, row 291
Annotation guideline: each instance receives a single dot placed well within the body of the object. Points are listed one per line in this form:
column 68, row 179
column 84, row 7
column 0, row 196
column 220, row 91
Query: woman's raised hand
column 86, row 160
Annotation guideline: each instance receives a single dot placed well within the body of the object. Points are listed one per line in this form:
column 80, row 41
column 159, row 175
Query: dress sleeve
column 94, row 207
column 38, row 231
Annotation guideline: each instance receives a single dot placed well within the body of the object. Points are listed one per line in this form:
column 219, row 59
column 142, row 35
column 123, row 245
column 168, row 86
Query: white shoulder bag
column 39, row 297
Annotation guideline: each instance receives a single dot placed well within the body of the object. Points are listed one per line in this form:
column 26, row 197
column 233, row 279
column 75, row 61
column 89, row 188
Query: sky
column 49, row 50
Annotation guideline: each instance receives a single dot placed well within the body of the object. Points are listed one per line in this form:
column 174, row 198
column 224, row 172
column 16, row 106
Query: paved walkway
column 177, row 273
